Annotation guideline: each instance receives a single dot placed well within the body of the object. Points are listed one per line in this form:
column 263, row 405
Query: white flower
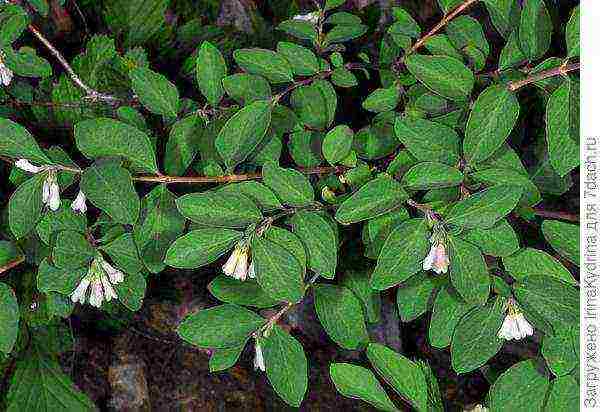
column 6, row 74
column 515, row 326
column 251, row 271
column 312, row 17
column 78, row 204
column 99, row 280
column 50, row 189
column 437, row 259
column 237, row 264
column 477, row 408
column 259, row 361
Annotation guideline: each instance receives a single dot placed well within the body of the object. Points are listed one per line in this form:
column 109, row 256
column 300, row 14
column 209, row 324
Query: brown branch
column 557, row 215
column 90, row 93
column 12, row 264
column 557, row 71
column 445, row 20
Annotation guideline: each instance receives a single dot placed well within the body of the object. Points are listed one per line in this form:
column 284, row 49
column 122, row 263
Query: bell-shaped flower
column 78, row 204
column 259, row 361
column 477, row 408
column 6, row 74
column 50, row 189
column 99, row 280
column 437, row 259
column 312, row 17
column 237, row 264
column 515, row 325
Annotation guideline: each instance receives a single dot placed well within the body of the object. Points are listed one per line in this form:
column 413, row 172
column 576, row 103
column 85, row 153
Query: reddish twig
column 12, row 264
column 557, row 71
column 557, row 215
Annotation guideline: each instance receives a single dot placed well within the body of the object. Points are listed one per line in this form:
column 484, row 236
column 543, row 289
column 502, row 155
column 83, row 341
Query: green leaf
column 414, row 297
column 201, row 247
column 499, row 240
column 503, row 176
column 210, row 71
column 289, row 242
column 511, row 55
column 475, row 338
column 401, row 255
column 220, row 209
column 556, row 301
column 155, row 91
column 564, row 238
column 25, row 206
column 290, row 186
column 484, row 209
column 344, row 32
column 9, row 318
column 110, row 187
column 159, row 225
column 222, row 359
column 273, row 66
column 405, row 23
column 247, row 88
column 278, row 272
column 465, row 32
column 315, row 104
column 63, row 219
column 382, row 100
column 430, row 175
column 531, row 261
column 137, row 21
column 341, row 315
column 564, row 395
column 562, row 127
column 493, row 117
column 13, row 20
column 286, row 366
column 72, row 251
column 559, row 353
column 520, row 388
column 332, row 4
column 403, row 375
column 319, row 239
column 343, row 77
column 535, row 30
column 8, row 252
column 182, row 145
column 443, row 75
column 244, row 293
column 373, row 199
column 39, row 384
column 102, row 137
column 358, row 282
column 448, row 309
column 53, row 279
column 302, row 60
column 338, row 144
column 17, row 142
column 26, row 63
column 376, row 231
column 259, row 193
column 300, row 29
column 243, row 132
column 354, row 381
column 572, row 33
column 427, row 140
column 504, row 14
column 124, row 254
column 468, row 271
column 219, row 327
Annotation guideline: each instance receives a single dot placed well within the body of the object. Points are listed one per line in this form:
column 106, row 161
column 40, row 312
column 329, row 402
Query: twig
column 12, row 264
column 90, row 93
column 557, row 215
column 445, row 20
column 557, row 71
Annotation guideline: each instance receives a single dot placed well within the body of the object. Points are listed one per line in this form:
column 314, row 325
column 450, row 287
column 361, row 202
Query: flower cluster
column 437, row 259
column 237, row 265
column 100, row 279
column 309, row 17
column 51, row 189
column 515, row 326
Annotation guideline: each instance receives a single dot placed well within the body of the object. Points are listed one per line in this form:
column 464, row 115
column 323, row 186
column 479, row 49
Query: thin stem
column 91, row 93
column 557, row 71
column 557, row 215
column 445, row 20
column 12, row 264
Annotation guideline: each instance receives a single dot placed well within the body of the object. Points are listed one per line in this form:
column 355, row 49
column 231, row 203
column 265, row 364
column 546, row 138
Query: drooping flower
column 515, row 325
column 259, row 361
column 237, row 264
column 6, row 74
column 312, row 17
column 437, row 259
column 50, row 189
column 477, row 408
column 78, row 204
column 99, row 280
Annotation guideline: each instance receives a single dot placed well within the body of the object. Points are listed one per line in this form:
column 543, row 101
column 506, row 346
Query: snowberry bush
column 338, row 158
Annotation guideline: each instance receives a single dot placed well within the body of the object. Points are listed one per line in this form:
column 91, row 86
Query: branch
column 90, row 93
column 445, row 20
column 12, row 264
column 557, row 215
column 557, row 71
